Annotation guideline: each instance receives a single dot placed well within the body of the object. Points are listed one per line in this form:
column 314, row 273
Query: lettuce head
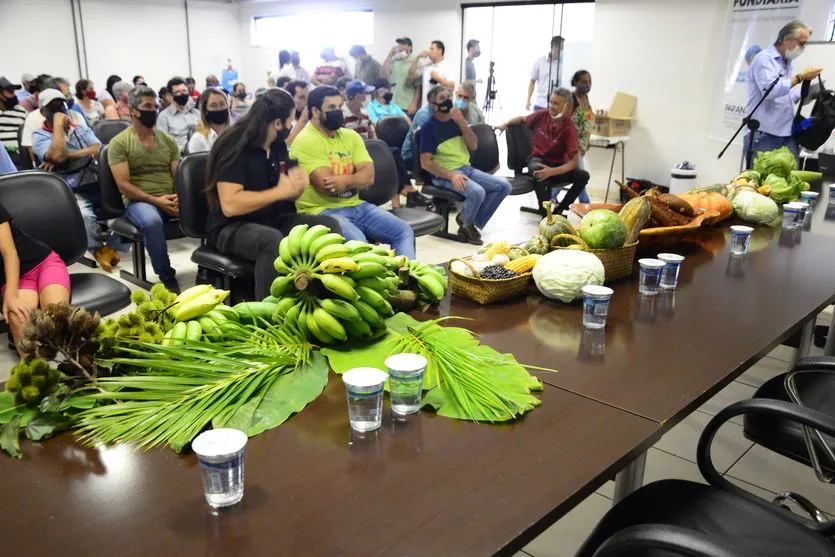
column 782, row 191
column 780, row 162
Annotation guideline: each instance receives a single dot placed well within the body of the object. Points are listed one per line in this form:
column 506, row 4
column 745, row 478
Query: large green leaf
column 288, row 394
column 44, row 425
column 10, row 437
column 369, row 354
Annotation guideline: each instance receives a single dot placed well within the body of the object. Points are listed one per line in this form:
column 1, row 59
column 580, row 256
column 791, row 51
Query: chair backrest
column 106, row 130
column 519, row 145
column 24, row 158
column 486, row 157
column 44, row 207
column 386, row 180
column 112, row 205
column 417, row 170
column 191, row 186
column 392, row 130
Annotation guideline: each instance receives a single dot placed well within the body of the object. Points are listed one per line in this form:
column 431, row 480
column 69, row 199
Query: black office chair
column 385, row 187
column 112, row 207
column 235, row 274
column 443, row 200
column 392, row 130
column 486, row 157
column 519, row 139
column 735, row 521
column 45, row 208
column 106, row 130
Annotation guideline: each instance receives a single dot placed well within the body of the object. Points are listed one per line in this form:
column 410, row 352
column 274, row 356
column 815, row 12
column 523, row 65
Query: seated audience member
column 445, row 141
column 106, row 97
column 64, row 86
column 166, row 99
column 120, row 109
column 30, row 103
column 339, row 166
column 35, row 119
column 214, row 119
column 12, row 118
column 282, row 82
column 341, row 84
column 6, row 164
column 139, row 80
column 144, row 164
column 192, row 89
column 69, row 150
column 555, row 153
column 240, row 98
column 252, row 187
column 366, row 68
column 465, row 101
column 381, row 104
column 299, row 90
column 356, row 118
column 180, row 119
column 33, row 276
column 331, row 69
column 88, row 102
column 29, row 86
column 212, row 81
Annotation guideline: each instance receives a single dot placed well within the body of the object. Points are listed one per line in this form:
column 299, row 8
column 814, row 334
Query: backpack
column 812, row 132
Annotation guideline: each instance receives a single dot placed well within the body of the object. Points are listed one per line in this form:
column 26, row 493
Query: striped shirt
column 360, row 124
column 10, row 123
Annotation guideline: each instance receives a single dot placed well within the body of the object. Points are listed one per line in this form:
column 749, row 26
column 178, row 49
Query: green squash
column 553, row 224
column 537, row 245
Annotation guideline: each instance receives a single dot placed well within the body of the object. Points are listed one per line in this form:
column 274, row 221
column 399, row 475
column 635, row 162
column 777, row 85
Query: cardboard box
column 618, row 121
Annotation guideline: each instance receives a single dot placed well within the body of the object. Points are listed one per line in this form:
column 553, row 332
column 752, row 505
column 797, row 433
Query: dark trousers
column 578, row 178
column 259, row 243
column 402, row 173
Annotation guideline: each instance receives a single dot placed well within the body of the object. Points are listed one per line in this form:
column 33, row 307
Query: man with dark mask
column 12, row 117
column 181, row 118
column 144, row 163
column 445, row 144
column 30, row 103
column 35, row 119
column 339, row 166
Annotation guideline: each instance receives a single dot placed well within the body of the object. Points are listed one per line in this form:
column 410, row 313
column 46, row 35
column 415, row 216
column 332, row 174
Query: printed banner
column 752, row 27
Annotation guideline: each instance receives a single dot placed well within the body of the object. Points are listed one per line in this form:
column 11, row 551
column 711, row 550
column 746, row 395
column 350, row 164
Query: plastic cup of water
column 405, row 382
column 810, row 197
column 805, row 215
column 650, row 278
column 793, row 214
column 672, row 266
column 364, row 387
column 740, row 238
column 596, row 306
column 221, row 455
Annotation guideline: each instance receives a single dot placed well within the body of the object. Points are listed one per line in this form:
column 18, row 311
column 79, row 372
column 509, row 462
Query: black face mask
column 298, row 114
column 217, row 116
column 148, row 118
column 50, row 114
column 387, row 97
column 70, row 102
column 241, row 96
column 333, row 120
column 445, row 106
column 283, row 134
column 11, row 101
column 32, row 89
column 181, row 99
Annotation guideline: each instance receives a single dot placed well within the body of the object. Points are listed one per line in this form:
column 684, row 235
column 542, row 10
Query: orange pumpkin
column 709, row 200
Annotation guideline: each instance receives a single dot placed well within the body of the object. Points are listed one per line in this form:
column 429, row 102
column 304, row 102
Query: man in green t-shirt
column 144, row 163
column 339, row 166
column 396, row 70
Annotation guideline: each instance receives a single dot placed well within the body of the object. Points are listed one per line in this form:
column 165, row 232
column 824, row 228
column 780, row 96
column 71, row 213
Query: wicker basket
column 483, row 291
column 616, row 262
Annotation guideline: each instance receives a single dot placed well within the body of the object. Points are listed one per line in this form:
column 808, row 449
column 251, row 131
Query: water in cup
column 793, row 214
column 406, row 382
column 364, row 389
column 221, row 455
column 669, row 276
column 810, row 197
column 740, row 238
column 650, row 278
column 596, row 306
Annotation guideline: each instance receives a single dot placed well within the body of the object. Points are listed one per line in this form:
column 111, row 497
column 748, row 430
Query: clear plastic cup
column 672, row 266
column 405, row 382
column 596, row 306
column 810, row 197
column 793, row 214
column 221, row 455
column 650, row 279
column 806, row 216
column 364, row 388
column 740, row 238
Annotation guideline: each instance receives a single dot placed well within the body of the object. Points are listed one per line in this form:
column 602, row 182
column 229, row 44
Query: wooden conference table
column 430, row 485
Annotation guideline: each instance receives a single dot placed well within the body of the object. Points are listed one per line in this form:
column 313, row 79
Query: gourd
column 635, row 215
column 553, row 224
column 710, row 201
column 562, row 274
column 538, row 244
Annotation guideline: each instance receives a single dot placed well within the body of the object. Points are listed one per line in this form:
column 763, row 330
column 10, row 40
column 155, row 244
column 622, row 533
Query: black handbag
column 812, row 132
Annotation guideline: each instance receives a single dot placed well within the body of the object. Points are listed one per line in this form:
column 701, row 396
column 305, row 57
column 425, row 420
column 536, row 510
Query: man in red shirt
column 555, row 153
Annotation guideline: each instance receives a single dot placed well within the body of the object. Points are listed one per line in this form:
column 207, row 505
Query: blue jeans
column 482, row 196
column 151, row 221
column 583, row 197
column 367, row 221
column 767, row 142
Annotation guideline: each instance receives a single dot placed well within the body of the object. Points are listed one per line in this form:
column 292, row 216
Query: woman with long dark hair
column 214, row 119
column 106, row 97
column 252, row 185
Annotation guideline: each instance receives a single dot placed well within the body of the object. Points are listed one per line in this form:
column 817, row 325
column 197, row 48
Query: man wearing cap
column 396, row 70
column 381, row 103
column 35, row 119
column 366, row 68
column 29, row 86
column 12, row 117
column 331, row 69
column 356, row 118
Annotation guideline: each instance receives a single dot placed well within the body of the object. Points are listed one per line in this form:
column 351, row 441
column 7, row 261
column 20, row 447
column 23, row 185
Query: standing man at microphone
column 777, row 111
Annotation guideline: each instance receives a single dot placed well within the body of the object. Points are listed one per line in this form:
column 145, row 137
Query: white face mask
column 794, row 53
column 558, row 116
column 402, row 55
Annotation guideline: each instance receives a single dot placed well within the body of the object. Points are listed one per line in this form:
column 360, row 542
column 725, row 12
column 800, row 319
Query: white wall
column 215, row 36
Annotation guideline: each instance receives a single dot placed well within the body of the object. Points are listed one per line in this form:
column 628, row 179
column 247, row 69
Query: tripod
column 492, row 92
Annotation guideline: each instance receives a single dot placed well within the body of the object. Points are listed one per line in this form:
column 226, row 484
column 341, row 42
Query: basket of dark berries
column 488, row 282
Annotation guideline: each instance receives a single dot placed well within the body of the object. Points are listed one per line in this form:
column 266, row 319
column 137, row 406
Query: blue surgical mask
column 461, row 104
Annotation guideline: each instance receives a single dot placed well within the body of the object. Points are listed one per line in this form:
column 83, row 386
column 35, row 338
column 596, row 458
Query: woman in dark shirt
column 252, row 186
column 32, row 275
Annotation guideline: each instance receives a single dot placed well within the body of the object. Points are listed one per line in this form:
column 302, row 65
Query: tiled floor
column 674, row 456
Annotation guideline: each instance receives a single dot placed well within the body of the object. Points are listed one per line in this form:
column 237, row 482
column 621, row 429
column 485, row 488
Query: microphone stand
column 752, row 125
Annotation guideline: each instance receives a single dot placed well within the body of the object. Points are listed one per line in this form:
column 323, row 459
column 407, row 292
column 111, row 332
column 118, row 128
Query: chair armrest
column 805, row 416
column 815, row 363
column 674, row 539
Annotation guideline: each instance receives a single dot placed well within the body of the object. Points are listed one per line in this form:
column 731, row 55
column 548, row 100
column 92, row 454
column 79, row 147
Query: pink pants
column 51, row 270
